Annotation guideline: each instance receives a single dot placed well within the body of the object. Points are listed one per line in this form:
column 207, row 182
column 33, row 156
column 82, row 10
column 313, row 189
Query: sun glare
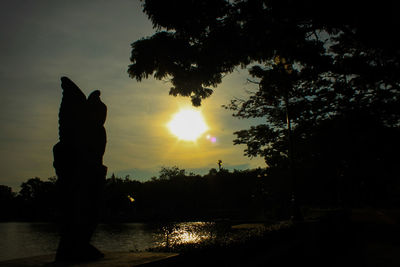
column 187, row 125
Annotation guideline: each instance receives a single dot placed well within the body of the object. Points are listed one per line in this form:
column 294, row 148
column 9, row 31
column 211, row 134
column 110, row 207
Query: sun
column 187, row 124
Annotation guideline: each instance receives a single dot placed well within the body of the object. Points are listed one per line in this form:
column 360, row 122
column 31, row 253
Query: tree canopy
column 326, row 60
column 199, row 41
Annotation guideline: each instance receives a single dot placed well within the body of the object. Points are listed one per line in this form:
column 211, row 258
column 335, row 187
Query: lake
column 20, row 239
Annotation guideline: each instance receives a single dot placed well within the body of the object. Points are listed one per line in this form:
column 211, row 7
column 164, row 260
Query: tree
column 7, row 202
column 6, row 193
column 204, row 40
column 199, row 41
column 340, row 55
column 168, row 173
column 38, row 198
column 314, row 64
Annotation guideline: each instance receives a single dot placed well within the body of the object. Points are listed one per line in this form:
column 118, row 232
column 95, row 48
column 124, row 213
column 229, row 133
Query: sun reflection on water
column 185, row 233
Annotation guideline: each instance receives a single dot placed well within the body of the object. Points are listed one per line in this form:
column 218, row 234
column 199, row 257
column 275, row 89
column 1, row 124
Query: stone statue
column 78, row 161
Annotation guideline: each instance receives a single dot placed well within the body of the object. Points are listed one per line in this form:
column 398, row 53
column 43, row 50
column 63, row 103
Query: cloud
column 90, row 42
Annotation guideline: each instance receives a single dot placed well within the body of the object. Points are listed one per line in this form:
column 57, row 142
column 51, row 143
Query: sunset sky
column 89, row 41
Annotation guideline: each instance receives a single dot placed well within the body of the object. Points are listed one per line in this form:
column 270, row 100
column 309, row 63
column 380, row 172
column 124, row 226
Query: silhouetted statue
column 78, row 161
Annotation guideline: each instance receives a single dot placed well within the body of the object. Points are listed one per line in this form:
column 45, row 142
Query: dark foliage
column 328, row 67
column 259, row 194
column 7, row 202
column 177, row 196
column 36, row 199
column 173, row 197
column 198, row 42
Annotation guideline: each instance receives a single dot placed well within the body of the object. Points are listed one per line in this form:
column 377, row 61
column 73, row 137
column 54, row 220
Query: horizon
column 90, row 43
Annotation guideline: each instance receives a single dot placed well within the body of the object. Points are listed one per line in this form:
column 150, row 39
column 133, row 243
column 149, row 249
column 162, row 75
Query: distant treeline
column 220, row 194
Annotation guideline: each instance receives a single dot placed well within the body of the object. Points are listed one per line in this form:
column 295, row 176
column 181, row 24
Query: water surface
column 18, row 239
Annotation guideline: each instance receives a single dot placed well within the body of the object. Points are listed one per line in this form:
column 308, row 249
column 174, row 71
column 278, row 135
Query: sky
column 89, row 41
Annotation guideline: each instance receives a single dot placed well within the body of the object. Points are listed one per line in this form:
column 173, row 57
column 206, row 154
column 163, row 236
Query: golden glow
column 131, row 199
column 187, row 124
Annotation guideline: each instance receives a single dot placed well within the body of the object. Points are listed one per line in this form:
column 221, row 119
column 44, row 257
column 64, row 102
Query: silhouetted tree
column 197, row 42
column 340, row 55
column 7, row 203
column 184, row 197
column 6, row 193
column 356, row 156
column 37, row 199
column 168, row 173
column 212, row 172
column 120, row 199
column 313, row 61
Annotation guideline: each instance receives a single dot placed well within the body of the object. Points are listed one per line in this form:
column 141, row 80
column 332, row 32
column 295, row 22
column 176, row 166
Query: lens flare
column 212, row 139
